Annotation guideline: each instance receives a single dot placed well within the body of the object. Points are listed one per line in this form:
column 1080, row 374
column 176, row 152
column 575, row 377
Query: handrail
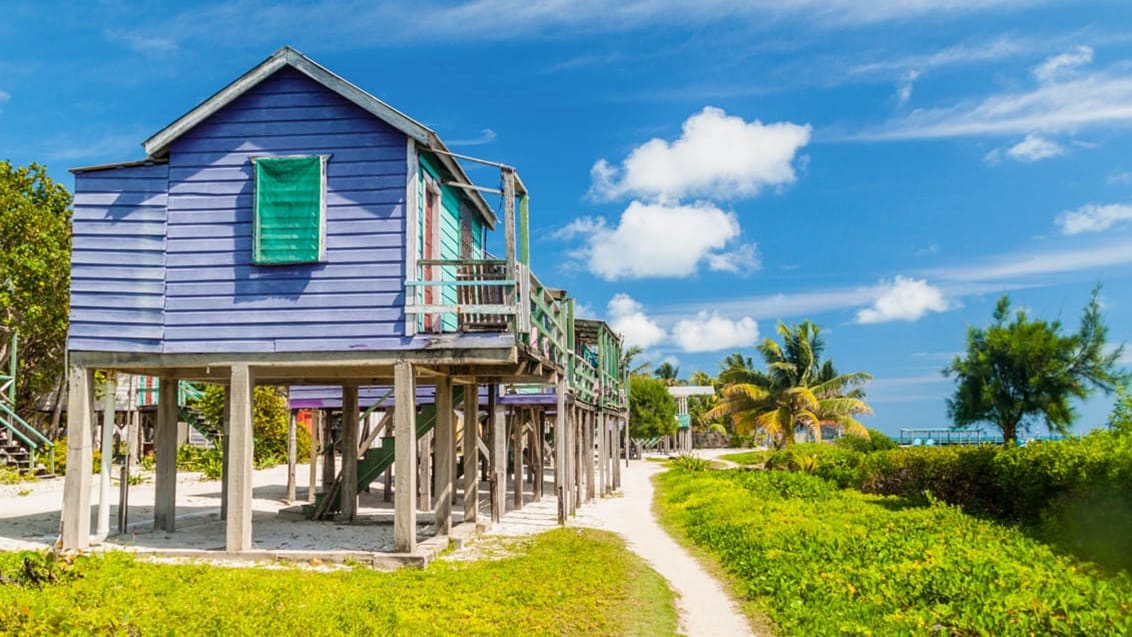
column 43, row 439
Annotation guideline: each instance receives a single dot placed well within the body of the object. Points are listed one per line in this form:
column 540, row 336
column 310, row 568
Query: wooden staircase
column 13, row 454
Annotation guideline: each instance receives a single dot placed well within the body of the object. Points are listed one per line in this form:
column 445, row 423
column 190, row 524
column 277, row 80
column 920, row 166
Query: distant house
column 292, row 229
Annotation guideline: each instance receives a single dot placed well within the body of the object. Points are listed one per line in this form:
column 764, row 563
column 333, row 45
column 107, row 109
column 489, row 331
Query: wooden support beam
column 560, row 420
column 498, row 415
column 539, row 435
column 589, row 458
column 292, row 453
column 315, row 437
column 471, row 452
column 108, row 408
column 602, row 442
column 517, row 458
column 508, row 175
column 348, row 495
column 165, row 450
column 424, row 471
column 76, row 484
column 575, row 462
column 615, row 443
column 225, row 446
column 238, row 531
column 445, row 449
column 405, row 458
column 329, row 470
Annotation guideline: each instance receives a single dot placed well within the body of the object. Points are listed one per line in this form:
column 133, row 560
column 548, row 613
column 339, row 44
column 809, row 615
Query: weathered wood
column 445, row 447
column 405, row 458
column 108, row 407
column 165, row 450
column 348, row 497
column 517, row 459
column 329, row 468
column 76, row 484
column 498, row 415
column 238, row 529
column 560, row 420
column 424, row 472
column 315, row 438
column 508, row 175
column 615, row 442
column 602, row 443
column 471, row 453
column 589, row 457
column 292, row 452
column 225, row 447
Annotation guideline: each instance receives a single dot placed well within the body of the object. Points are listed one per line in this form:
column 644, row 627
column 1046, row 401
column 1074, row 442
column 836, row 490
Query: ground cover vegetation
column 819, row 561
column 564, row 582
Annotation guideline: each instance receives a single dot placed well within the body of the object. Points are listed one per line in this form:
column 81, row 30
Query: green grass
column 818, row 560
column 564, row 582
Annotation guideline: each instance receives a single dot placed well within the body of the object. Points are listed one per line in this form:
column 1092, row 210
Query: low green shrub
column 822, row 561
column 688, row 462
column 833, row 463
column 877, row 441
column 746, row 457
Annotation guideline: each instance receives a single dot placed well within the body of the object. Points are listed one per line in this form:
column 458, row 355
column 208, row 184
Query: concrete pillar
column 445, row 448
column 76, row 484
column 405, row 457
column 576, row 464
column 165, row 449
column 498, row 456
column 349, row 489
column 588, row 462
column 571, row 460
column 238, row 521
column 628, row 443
column 329, row 468
column 108, row 408
column 471, row 452
column 517, row 458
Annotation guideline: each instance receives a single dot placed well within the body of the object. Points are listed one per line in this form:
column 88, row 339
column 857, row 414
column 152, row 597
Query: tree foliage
column 1020, row 371
column 35, row 271
column 797, row 390
column 270, row 418
column 652, row 410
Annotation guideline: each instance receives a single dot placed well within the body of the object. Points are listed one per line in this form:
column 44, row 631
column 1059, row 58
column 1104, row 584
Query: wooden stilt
column 539, row 435
column 292, row 452
column 424, row 469
column 517, row 458
column 76, row 484
column 560, row 420
column 498, row 448
column 315, row 437
column 329, row 468
column 108, row 408
column 225, row 446
column 442, row 472
column 348, row 494
column 405, row 457
column 238, row 531
column 471, row 452
column 165, row 449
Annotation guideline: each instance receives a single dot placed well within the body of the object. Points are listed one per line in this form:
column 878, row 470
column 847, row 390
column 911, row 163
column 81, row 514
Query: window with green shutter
column 290, row 210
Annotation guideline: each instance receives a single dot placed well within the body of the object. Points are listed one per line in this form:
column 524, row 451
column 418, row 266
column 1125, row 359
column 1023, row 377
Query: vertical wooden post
column 575, row 462
column 508, row 175
column 134, row 421
column 539, row 420
column 329, row 470
column 517, row 458
column 315, row 438
column 498, row 415
column 348, row 493
column 405, row 457
column 471, row 452
column 560, row 420
column 165, row 448
column 602, row 441
column 76, row 484
column 225, row 447
column 238, row 531
column 445, row 439
column 292, row 452
column 424, row 469
column 615, row 442
column 589, row 461
column 107, row 455
column 628, row 441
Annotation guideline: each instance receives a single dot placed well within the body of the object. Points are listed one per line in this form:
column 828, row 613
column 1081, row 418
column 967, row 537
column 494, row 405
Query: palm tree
column 797, row 390
column 737, row 368
column 668, row 373
column 627, row 360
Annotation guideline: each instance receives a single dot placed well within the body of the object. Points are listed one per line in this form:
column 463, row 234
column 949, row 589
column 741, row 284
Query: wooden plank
column 404, row 418
column 498, row 420
column 165, row 449
column 517, row 459
column 315, row 440
column 349, row 489
column 445, row 442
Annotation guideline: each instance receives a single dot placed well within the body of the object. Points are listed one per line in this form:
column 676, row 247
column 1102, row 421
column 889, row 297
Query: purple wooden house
column 293, row 229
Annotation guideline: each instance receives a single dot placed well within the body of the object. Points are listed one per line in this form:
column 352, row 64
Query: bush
column 61, row 457
column 821, row 561
column 271, row 419
column 688, row 462
column 835, row 464
column 877, row 441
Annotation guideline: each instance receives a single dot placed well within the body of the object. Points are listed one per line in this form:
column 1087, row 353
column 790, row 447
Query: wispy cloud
column 1093, row 218
column 486, row 136
column 1031, row 149
column 1067, row 99
column 140, row 42
column 965, row 53
column 1037, row 263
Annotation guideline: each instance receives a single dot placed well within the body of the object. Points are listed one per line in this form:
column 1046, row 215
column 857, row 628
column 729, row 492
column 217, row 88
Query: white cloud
column 658, row 240
column 903, row 299
column 717, row 156
column 1093, row 218
column 958, row 55
column 1059, row 65
column 904, row 87
column 1062, row 105
column 1087, row 258
column 627, row 317
column 1120, row 178
column 710, row 332
column 1031, row 149
column 4, row 96
column 486, row 136
column 142, row 43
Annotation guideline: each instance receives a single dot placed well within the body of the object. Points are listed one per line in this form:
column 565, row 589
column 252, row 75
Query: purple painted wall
column 118, row 260
column 162, row 253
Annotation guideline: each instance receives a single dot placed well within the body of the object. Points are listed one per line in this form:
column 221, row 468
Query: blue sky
column 699, row 170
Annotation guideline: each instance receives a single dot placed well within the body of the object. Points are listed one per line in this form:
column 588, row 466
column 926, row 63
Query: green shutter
column 290, row 215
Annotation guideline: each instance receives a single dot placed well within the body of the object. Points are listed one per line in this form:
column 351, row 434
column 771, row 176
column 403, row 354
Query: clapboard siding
column 117, row 260
column 216, row 300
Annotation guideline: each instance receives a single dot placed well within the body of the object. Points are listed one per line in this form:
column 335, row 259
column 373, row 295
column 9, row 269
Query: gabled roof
column 157, row 146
